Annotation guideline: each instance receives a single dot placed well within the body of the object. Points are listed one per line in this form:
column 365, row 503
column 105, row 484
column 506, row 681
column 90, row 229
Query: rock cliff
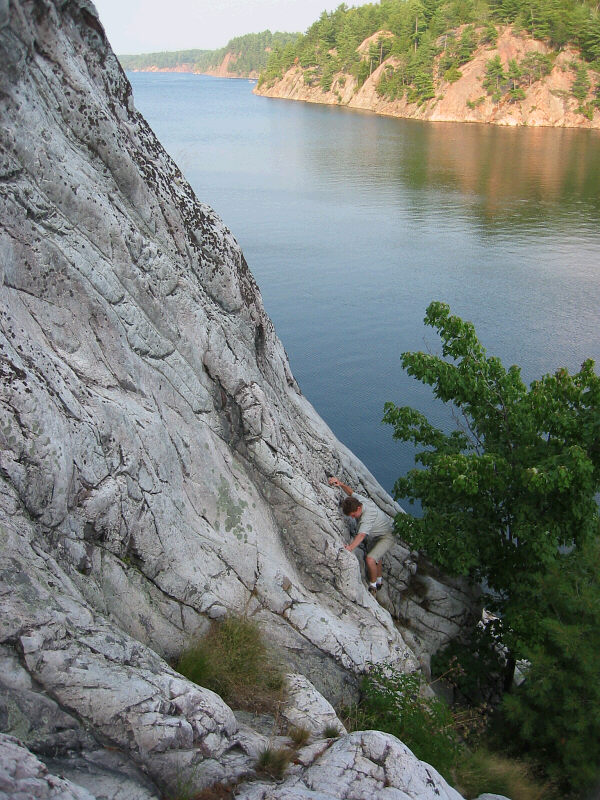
column 547, row 102
column 159, row 466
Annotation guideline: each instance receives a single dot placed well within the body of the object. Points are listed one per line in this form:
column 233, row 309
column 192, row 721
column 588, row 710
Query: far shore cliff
column 547, row 103
column 221, row 71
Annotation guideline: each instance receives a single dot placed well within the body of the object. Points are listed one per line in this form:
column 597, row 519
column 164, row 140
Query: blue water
column 352, row 223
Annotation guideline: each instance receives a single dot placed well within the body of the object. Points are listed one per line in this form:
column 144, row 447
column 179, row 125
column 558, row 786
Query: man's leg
column 372, row 569
column 375, row 556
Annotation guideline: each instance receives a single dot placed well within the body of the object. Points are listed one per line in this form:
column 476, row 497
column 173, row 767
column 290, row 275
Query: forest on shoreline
column 249, row 54
column 426, row 42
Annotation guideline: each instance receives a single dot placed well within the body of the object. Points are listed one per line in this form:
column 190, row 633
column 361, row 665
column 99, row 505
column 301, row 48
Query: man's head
column 351, row 507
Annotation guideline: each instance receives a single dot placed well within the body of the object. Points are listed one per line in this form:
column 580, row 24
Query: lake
column 353, row 223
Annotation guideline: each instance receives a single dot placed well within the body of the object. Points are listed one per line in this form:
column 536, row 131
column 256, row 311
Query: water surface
column 352, row 223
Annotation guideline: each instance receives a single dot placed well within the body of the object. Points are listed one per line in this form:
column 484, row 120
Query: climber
column 374, row 524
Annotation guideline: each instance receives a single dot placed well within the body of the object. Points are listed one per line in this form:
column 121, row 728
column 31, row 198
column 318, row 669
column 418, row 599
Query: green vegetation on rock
column 393, row 701
column 233, row 661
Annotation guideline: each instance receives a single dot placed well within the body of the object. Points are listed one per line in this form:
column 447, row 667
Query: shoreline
column 177, row 71
column 415, row 118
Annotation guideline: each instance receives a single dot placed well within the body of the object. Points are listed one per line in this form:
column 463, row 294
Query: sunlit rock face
column 160, row 467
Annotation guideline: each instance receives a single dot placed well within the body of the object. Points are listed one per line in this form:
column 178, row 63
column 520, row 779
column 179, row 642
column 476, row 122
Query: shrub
column 185, row 790
column 472, row 104
column 489, row 35
column 515, row 94
column 218, row 791
column 234, row 662
column 392, row 701
column 476, row 667
column 452, row 74
column 581, row 84
column 484, row 772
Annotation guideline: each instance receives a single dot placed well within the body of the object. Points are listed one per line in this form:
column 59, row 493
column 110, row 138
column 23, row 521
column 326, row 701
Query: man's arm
column 337, row 482
column 355, row 542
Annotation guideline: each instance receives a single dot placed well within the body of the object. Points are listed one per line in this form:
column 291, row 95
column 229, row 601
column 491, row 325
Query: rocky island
column 160, row 469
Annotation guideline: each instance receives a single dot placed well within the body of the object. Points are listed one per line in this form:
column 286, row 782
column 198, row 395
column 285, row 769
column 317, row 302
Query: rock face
column 224, row 69
column 548, row 102
column 159, row 466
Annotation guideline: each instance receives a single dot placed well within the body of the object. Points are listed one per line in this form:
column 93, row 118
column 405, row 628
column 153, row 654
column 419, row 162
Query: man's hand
column 337, row 482
column 355, row 542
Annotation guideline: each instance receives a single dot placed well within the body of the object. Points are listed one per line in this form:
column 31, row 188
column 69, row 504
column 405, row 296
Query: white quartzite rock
column 488, row 796
column 306, row 708
column 24, row 777
column 368, row 765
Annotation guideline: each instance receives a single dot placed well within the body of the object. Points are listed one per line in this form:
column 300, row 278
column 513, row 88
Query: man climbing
column 374, row 524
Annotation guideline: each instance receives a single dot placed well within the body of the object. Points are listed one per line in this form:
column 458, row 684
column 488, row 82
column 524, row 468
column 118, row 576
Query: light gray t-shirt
column 373, row 521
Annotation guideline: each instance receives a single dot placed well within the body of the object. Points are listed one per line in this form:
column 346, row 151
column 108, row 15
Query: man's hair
column 350, row 504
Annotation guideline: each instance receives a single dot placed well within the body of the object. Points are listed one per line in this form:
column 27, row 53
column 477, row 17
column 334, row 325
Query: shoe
column 373, row 590
column 379, row 586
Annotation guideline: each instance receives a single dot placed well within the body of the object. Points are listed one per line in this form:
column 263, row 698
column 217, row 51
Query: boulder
column 24, row 777
column 306, row 708
column 362, row 766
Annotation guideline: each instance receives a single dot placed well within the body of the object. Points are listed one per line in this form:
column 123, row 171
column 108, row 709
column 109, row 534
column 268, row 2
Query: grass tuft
column 299, row 736
column 331, row 732
column 218, row 791
column 233, row 661
column 274, row 761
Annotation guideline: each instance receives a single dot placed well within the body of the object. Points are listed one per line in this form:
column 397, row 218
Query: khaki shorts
column 381, row 545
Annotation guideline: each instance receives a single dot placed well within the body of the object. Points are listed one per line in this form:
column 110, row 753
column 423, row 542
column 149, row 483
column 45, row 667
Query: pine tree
column 581, row 84
column 495, row 78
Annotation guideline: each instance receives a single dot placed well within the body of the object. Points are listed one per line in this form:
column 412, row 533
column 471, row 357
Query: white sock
column 373, row 585
column 379, row 581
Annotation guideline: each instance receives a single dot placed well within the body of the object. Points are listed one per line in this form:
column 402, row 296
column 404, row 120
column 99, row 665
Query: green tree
column 515, row 74
column 495, row 78
column 466, row 45
column 534, row 66
column 452, row 74
column 490, row 34
column 591, row 39
column 581, row 84
column 514, row 484
column 554, row 716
